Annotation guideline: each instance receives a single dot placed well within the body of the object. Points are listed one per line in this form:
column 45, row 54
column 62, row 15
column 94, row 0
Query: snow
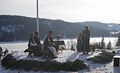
column 67, row 55
column 24, row 56
column 14, row 46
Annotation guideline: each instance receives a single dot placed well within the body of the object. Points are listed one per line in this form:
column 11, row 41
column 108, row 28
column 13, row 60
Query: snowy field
column 64, row 56
column 68, row 55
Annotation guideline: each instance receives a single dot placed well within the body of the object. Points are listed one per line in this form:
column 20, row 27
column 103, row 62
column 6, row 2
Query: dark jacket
column 86, row 40
column 48, row 41
column 31, row 41
column 80, row 44
column 37, row 40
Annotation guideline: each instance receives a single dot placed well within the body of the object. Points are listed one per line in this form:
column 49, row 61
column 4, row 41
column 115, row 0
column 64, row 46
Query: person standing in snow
column 80, row 42
column 86, row 39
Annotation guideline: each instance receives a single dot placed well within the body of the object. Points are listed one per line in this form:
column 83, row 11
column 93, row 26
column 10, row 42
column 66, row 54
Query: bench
column 59, row 44
column 117, row 61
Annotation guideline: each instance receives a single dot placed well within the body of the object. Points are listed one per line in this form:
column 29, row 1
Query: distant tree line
column 19, row 28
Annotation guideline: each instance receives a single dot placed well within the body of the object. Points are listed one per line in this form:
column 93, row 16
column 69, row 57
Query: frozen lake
column 20, row 46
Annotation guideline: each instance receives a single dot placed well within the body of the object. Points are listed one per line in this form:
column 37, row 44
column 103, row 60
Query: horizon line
column 58, row 19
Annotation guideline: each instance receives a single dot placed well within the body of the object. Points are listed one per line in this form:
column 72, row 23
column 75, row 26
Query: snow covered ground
column 66, row 55
column 71, row 56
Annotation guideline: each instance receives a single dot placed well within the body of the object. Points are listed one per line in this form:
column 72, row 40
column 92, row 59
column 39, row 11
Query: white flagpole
column 37, row 16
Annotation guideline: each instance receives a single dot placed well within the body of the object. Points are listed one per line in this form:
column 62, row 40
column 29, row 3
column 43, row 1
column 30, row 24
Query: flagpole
column 37, row 16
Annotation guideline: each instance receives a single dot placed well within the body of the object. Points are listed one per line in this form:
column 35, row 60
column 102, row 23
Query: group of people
column 34, row 40
column 83, row 41
column 47, row 49
column 34, row 43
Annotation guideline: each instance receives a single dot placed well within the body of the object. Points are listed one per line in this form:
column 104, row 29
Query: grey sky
column 69, row 10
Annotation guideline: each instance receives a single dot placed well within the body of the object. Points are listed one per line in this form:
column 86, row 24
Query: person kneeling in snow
column 49, row 46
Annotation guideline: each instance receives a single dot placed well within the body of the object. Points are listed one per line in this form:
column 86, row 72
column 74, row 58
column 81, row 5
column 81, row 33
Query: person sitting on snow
column 37, row 39
column 31, row 44
column 49, row 46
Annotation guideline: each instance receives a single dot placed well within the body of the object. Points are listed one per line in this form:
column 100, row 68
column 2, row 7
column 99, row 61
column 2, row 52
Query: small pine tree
column 118, row 41
column 102, row 43
column 109, row 45
column 58, row 37
column 72, row 48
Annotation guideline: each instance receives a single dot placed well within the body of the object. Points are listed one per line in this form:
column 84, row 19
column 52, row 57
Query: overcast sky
column 107, row 11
